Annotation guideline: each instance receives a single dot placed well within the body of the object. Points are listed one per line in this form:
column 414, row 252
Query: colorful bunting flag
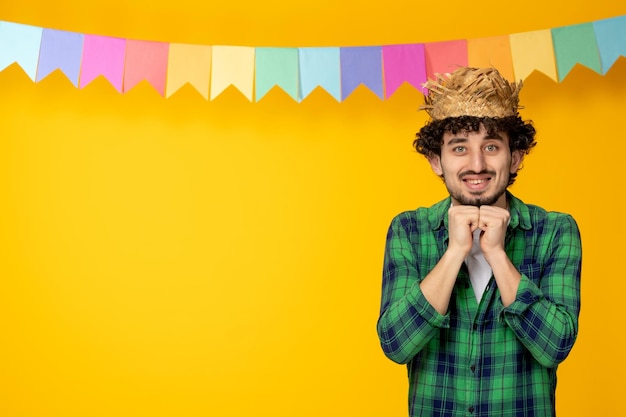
column 145, row 61
column 491, row 52
column 298, row 71
column 361, row 65
column 320, row 67
column 444, row 57
column 575, row 45
column 20, row 43
column 232, row 65
column 60, row 50
column 611, row 38
column 276, row 67
column 533, row 51
column 188, row 64
column 103, row 56
column 403, row 63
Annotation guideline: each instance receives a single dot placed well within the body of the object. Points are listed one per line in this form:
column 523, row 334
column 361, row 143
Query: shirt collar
column 520, row 216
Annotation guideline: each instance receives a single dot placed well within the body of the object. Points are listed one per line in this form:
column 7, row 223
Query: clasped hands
column 464, row 220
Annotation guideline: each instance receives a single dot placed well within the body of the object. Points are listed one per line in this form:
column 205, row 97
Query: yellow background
column 178, row 257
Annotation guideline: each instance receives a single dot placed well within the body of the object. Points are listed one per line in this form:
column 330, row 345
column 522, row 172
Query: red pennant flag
column 146, row 61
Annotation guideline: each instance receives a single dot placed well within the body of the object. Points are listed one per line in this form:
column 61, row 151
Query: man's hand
column 462, row 221
column 493, row 221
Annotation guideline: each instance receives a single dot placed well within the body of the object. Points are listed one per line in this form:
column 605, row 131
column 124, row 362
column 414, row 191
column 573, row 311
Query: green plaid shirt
column 481, row 359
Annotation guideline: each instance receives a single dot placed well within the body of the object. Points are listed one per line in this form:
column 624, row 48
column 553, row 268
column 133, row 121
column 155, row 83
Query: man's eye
column 459, row 149
column 491, row 148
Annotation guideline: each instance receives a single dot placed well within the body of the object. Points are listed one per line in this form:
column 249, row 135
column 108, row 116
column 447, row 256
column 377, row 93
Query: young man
column 481, row 292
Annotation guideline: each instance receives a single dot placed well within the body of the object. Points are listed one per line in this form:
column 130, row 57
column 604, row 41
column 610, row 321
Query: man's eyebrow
column 496, row 136
column 463, row 139
column 456, row 140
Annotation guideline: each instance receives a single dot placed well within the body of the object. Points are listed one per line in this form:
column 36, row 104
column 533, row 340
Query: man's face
column 476, row 167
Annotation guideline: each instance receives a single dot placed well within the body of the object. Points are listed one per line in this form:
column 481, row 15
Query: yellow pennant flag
column 494, row 51
column 533, row 51
column 232, row 65
column 188, row 64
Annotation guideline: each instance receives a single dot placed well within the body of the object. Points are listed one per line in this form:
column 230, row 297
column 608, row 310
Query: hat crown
column 480, row 92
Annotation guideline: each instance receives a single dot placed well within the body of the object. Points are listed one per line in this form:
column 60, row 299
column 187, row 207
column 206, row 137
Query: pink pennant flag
column 103, row 56
column 146, row 61
column 403, row 63
column 444, row 57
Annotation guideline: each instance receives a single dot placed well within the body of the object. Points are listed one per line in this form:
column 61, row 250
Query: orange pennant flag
column 491, row 52
column 189, row 64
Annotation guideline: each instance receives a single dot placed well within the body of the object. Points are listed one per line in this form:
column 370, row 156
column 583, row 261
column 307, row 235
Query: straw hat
column 480, row 92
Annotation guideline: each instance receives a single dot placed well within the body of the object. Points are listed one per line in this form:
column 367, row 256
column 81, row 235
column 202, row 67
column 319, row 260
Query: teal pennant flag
column 611, row 37
column 573, row 45
column 276, row 67
column 20, row 43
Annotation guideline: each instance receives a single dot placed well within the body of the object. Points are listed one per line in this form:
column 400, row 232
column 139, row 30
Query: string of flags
column 254, row 71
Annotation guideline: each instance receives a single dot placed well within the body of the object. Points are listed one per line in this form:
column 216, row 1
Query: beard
column 478, row 198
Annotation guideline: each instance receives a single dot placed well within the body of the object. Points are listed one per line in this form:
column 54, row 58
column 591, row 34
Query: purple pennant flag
column 403, row 63
column 361, row 65
column 60, row 50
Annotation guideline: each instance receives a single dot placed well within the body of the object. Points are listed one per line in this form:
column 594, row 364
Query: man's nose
column 477, row 162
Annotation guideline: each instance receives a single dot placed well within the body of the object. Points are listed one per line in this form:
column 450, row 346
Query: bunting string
column 254, row 71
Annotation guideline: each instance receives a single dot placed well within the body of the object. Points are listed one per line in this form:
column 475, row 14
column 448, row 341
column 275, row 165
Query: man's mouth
column 476, row 182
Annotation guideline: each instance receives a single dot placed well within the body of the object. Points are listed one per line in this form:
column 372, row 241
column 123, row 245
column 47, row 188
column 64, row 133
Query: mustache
column 470, row 172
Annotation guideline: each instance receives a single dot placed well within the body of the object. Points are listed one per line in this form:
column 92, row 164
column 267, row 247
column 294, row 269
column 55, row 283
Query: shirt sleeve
column 544, row 316
column 407, row 320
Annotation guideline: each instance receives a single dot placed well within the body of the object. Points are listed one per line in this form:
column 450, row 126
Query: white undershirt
column 479, row 270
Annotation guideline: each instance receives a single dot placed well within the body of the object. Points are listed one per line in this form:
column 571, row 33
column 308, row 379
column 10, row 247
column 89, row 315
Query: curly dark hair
column 521, row 133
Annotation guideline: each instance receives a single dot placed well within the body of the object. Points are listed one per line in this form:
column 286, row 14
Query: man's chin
column 477, row 201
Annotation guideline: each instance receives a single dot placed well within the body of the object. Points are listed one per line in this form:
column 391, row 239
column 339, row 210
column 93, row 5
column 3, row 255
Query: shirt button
column 471, row 409
column 475, row 326
column 473, row 368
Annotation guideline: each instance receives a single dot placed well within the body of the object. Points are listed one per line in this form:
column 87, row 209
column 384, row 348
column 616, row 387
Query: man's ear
column 435, row 164
column 516, row 160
